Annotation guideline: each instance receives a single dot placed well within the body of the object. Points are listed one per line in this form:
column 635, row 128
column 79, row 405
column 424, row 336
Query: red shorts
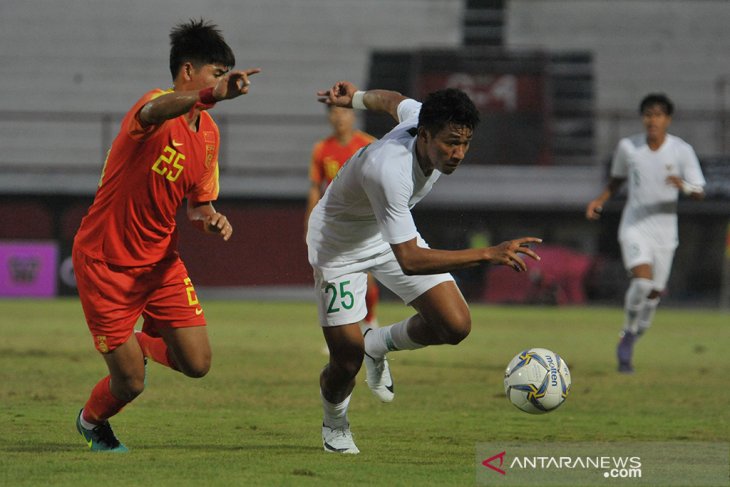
column 114, row 297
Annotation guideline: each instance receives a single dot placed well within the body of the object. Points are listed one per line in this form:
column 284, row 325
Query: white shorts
column 636, row 252
column 341, row 300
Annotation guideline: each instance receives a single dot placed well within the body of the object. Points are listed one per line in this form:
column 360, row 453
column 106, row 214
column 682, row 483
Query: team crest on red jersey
column 101, row 344
column 209, row 154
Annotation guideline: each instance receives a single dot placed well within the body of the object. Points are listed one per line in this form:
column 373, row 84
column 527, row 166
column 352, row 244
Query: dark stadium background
column 557, row 83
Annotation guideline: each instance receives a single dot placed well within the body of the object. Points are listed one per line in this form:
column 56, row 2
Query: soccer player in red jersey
column 125, row 252
column 328, row 156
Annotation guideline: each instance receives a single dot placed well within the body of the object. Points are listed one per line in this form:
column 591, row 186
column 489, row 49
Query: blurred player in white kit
column 657, row 166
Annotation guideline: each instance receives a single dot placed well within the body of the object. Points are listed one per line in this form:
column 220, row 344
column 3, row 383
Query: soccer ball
column 537, row 380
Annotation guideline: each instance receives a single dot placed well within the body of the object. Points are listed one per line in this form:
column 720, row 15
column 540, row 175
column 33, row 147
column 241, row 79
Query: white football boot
column 338, row 440
column 379, row 379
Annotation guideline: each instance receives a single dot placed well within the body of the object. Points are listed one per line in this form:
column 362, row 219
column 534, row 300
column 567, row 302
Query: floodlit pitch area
column 255, row 419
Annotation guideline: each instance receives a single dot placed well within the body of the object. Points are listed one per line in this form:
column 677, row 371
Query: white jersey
column 367, row 206
column 650, row 213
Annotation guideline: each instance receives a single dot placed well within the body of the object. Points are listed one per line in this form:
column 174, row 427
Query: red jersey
column 329, row 155
column 147, row 174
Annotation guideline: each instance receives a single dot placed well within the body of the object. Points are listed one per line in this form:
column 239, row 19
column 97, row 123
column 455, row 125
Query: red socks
column 102, row 404
column 156, row 349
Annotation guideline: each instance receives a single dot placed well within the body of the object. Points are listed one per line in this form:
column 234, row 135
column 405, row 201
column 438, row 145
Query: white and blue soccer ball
column 537, row 380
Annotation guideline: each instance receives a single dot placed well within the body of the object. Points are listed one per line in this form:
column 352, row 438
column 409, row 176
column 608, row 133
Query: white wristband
column 357, row 100
column 689, row 188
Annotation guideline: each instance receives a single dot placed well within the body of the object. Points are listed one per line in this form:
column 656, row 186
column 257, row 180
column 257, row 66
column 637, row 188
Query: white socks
column 380, row 341
column 634, row 302
column 400, row 338
column 86, row 424
column 646, row 314
column 365, row 325
column 335, row 415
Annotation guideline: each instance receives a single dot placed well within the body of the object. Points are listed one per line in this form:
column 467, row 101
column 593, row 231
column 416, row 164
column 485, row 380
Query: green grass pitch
column 255, row 419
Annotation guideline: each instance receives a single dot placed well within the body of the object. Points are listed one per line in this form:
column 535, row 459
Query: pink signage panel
column 28, row 268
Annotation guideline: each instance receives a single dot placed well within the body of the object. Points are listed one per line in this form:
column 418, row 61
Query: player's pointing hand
column 234, row 84
column 339, row 95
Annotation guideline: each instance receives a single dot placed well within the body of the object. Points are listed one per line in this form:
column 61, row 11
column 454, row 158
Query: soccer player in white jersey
column 363, row 223
column 657, row 166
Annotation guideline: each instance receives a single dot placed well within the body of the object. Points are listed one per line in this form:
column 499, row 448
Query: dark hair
column 657, row 99
column 198, row 42
column 448, row 106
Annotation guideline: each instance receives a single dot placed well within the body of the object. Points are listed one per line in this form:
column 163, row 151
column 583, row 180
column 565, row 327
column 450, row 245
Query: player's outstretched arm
column 415, row 260
column 204, row 216
column 171, row 105
column 345, row 94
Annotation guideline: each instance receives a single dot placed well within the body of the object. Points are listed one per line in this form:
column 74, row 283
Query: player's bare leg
column 126, row 367
column 337, row 381
column 346, row 352
column 189, row 349
column 443, row 316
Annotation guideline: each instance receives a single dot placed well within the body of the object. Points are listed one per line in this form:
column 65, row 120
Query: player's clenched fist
column 218, row 223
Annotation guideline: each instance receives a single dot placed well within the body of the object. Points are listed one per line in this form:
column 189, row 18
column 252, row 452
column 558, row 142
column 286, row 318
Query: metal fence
column 270, row 144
